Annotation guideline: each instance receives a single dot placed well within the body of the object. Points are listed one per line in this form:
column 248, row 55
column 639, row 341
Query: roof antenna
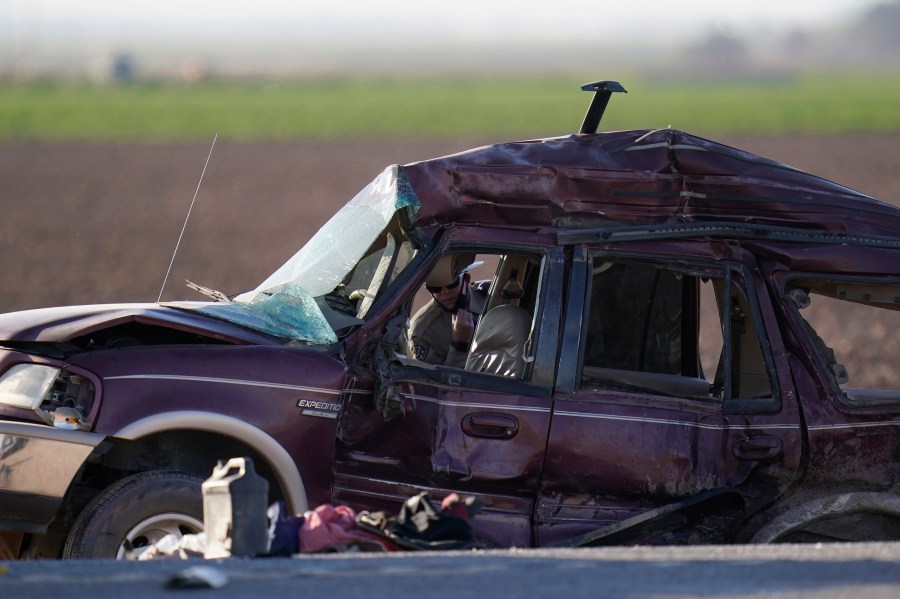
column 603, row 90
column 191, row 207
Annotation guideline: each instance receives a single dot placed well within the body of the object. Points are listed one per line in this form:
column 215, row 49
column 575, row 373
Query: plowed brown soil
column 89, row 223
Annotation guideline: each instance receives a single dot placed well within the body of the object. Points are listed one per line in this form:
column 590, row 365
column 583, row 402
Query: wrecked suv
column 704, row 358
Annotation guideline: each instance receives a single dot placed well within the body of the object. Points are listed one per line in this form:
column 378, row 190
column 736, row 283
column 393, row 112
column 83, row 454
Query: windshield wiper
column 213, row 293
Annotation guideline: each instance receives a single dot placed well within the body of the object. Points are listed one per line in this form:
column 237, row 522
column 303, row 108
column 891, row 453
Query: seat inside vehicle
column 501, row 341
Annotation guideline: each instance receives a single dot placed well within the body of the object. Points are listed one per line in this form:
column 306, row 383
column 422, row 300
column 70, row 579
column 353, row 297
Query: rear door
column 668, row 389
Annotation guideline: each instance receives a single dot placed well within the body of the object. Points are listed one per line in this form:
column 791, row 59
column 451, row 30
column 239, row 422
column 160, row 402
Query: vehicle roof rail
column 602, row 92
column 714, row 229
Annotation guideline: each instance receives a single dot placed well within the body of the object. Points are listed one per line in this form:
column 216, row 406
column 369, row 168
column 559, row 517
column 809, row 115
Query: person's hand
column 463, row 326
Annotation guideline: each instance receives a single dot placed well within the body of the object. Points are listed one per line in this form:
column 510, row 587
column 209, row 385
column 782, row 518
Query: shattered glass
column 286, row 312
column 336, row 248
column 284, row 304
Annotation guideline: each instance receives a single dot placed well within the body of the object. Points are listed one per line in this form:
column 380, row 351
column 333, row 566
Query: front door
column 451, row 437
column 473, row 430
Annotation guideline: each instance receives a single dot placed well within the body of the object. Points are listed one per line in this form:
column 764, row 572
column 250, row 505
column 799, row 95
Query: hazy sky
column 459, row 19
column 280, row 36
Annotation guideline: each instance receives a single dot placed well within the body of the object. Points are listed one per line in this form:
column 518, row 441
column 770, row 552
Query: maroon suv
column 703, row 357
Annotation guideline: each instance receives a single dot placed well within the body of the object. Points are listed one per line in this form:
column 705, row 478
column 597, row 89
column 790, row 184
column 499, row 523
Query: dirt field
column 88, row 223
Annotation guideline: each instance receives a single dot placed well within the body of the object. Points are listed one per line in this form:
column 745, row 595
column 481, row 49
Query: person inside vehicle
column 441, row 331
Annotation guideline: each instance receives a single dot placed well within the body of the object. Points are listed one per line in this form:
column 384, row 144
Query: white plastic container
column 234, row 510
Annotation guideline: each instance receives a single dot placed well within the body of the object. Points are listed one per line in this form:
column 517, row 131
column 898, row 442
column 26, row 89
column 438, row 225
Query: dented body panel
column 482, row 443
column 634, row 177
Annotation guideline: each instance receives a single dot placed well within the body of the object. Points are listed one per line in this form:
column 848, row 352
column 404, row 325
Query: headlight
column 26, row 385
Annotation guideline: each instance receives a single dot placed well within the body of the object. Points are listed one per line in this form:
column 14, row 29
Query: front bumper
column 37, row 466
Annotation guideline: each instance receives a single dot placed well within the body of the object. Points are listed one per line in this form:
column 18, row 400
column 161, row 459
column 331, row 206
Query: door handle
column 758, row 447
column 490, row 425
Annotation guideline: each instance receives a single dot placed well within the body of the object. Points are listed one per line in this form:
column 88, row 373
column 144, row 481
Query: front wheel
column 138, row 510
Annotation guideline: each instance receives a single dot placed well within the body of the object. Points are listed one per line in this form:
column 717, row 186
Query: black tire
column 144, row 507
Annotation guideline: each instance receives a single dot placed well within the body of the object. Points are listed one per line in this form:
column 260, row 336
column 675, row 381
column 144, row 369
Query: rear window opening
column 853, row 332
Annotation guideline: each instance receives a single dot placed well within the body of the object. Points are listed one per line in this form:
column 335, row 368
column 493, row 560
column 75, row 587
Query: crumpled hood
column 61, row 324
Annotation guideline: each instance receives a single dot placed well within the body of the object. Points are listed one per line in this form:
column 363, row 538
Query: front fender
column 282, row 465
column 37, row 466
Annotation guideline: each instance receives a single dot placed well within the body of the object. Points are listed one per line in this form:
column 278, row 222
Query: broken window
column 330, row 284
column 852, row 330
column 505, row 300
column 652, row 327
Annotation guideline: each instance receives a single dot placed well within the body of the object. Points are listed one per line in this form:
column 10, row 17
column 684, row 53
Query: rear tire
column 140, row 509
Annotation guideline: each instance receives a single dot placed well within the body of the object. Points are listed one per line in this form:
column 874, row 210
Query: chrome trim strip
column 676, row 422
column 828, row 427
column 208, row 379
column 608, row 520
column 466, row 404
column 375, row 494
column 665, row 144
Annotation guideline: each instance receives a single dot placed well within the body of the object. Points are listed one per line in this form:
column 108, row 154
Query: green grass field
column 442, row 108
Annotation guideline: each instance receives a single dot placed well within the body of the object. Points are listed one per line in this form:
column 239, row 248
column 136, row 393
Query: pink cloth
column 330, row 526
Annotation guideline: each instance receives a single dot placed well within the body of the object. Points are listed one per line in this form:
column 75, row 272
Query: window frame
column 545, row 324
column 823, row 370
column 577, row 319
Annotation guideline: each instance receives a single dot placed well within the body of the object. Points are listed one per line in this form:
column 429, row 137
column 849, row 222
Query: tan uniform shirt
column 431, row 332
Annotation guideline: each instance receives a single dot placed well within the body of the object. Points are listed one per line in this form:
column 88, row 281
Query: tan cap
column 444, row 273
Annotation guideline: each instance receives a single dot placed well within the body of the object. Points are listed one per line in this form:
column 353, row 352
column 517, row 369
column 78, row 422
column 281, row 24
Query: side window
column 635, row 318
column 651, row 327
column 852, row 327
column 503, row 300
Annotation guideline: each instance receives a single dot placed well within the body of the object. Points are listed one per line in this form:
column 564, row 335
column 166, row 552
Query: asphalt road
column 869, row 571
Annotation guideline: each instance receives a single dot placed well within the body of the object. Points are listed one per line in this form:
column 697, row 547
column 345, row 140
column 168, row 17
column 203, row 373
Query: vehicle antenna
column 191, row 207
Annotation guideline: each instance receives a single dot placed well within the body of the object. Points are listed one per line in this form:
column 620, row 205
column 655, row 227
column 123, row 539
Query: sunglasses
column 433, row 289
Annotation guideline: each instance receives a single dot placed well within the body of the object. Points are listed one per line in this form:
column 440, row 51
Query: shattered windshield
column 288, row 303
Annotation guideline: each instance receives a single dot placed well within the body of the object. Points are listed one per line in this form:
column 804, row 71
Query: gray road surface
column 861, row 571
